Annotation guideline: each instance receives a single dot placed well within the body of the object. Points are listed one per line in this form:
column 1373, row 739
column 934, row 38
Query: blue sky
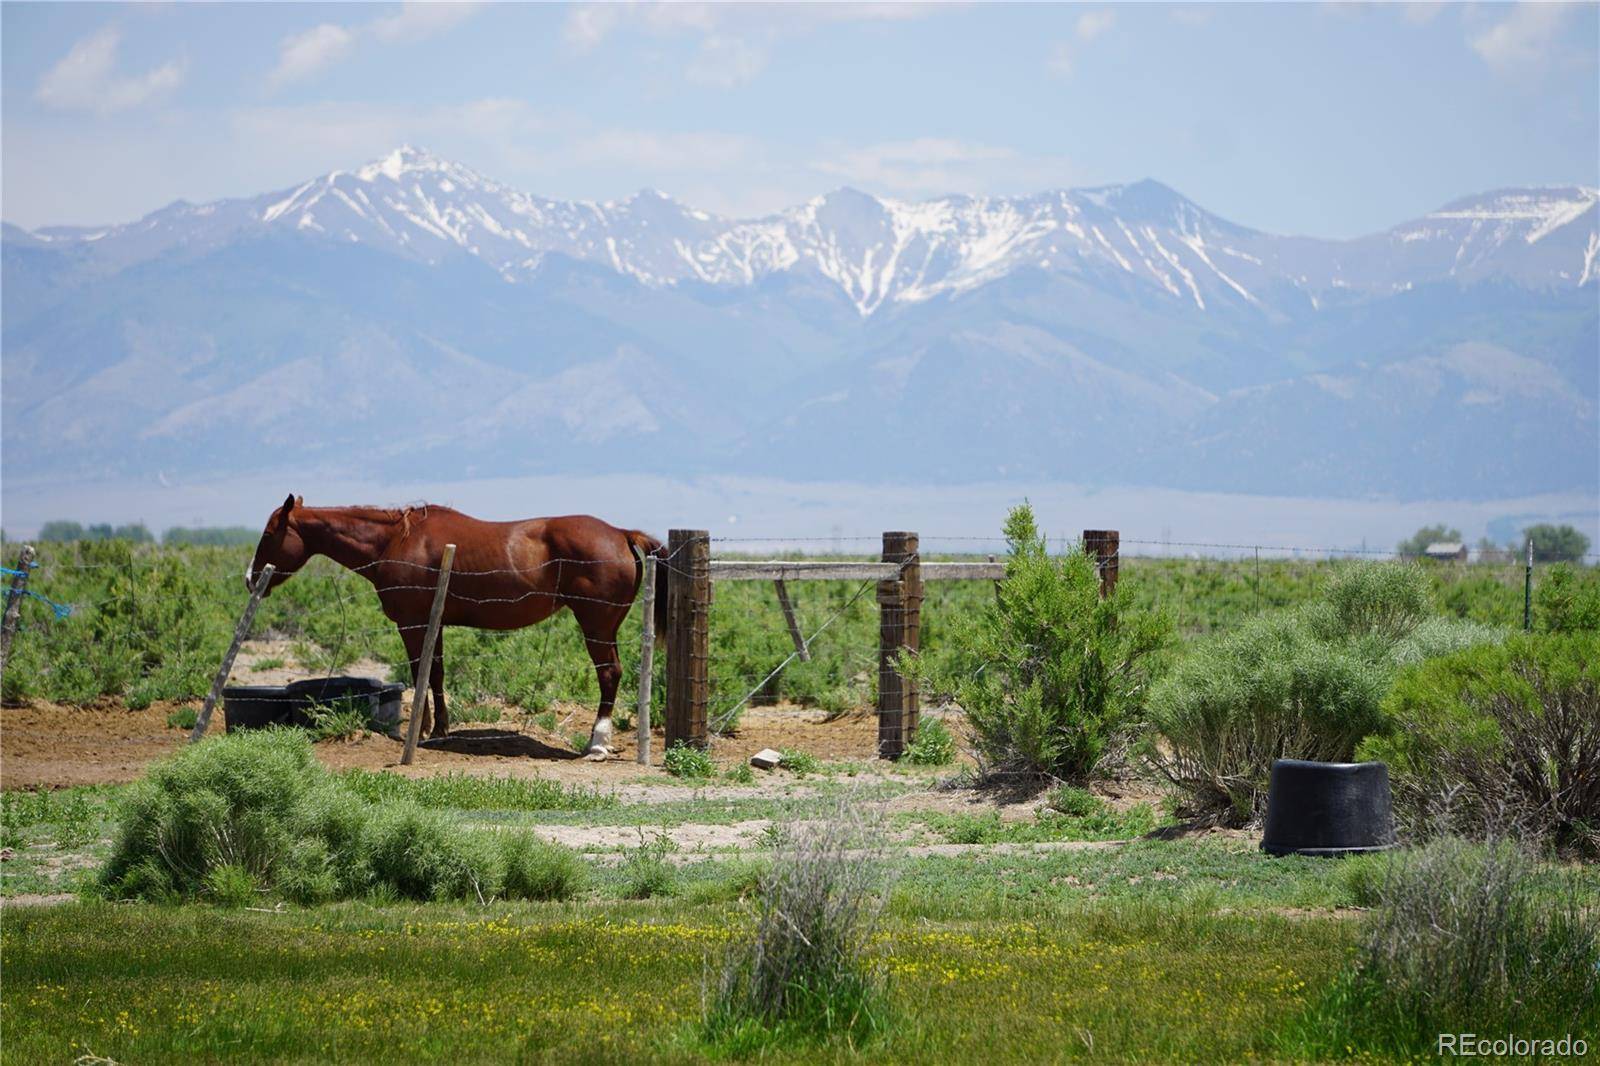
column 1325, row 119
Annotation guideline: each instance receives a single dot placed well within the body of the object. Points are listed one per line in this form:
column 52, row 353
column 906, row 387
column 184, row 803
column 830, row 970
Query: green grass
column 356, row 983
column 1099, row 824
column 466, row 792
column 183, row 718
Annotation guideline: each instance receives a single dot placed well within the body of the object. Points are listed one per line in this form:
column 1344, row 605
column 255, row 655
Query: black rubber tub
column 381, row 698
column 257, row 706
column 1328, row 808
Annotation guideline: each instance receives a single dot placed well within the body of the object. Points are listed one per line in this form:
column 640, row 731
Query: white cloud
column 1524, row 38
column 418, row 21
column 86, row 78
column 936, row 166
column 726, row 62
column 1090, row 25
column 303, row 54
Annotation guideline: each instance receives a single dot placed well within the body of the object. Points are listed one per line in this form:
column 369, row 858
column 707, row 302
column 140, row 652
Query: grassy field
column 622, row 982
column 151, row 623
column 1006, row 939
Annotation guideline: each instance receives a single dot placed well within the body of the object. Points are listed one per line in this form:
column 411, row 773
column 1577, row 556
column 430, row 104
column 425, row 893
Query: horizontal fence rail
column 786, row 570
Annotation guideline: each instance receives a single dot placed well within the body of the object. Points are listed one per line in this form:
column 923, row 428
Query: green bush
column 646, row 871
column 933, row 745
column 255, row 812
column 1049, row 673
column 539, row 870
column 1464, row 938
column 1564, row 604
column 805, row 971
column 800, row 763
column 1301, row 684
column 1500, row 737
column 686, row 760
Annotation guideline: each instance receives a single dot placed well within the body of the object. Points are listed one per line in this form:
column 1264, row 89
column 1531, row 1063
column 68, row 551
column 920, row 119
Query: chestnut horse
column 506, row 575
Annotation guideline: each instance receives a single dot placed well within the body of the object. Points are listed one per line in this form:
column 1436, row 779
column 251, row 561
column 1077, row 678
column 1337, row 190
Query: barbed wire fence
column 84, row 623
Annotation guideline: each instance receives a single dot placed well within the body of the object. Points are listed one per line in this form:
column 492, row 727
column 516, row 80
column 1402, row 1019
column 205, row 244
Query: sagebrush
column 1500, row 738
column 256, row 809
column 1307, row 683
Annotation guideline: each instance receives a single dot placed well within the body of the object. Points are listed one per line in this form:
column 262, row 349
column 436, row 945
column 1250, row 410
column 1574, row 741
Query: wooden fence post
column 688, row 635
column 899, row 626
column 425, row 665
column 647, row 655
column 13, row 611
column 1104, row 545
column 240, row 631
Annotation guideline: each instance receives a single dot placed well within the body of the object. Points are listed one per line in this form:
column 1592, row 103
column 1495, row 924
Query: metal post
column 647, row 654
column 1258, row 579
column 240, row 631
column 14, row 594
column 1527, row 591
column 425, row 666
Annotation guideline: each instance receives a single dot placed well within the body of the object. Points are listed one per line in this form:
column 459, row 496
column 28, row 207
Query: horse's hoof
column 598, row 753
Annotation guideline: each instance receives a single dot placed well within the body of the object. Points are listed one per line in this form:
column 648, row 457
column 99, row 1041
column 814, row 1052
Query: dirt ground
column 44, row 745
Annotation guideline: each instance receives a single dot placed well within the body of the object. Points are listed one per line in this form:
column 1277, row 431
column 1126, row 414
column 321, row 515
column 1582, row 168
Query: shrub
column 1563, row 604
column 1465, row 938
column 230, row 885
column 646, row 873
column 183, row 718
column 1500, row 735
column 804, row 970
column 254, row 812
column 1049, row 674
column 799, row 763
column 933, row 746
column 535, row 869
column 1303, row 684
column 1075, row 802
column 686, row 760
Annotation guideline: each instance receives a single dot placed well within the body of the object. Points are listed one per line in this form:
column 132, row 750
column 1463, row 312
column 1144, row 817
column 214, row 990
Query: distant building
column 1446, row 551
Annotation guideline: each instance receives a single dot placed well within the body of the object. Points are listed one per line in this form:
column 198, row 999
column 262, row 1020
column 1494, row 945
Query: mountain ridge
column 411, row 315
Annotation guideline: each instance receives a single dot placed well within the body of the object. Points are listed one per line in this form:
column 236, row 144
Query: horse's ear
column 283, row 512
column 299, row 501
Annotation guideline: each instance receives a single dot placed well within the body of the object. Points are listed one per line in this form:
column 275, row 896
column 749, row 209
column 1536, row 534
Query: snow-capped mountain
column 1047, row 326
column 883, row 252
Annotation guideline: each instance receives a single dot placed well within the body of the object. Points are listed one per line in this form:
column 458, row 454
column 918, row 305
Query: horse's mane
column 394, row 515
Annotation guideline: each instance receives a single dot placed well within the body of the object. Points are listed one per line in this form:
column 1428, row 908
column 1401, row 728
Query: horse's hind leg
column 600, row 637
column 411, row 637
column 441, row 717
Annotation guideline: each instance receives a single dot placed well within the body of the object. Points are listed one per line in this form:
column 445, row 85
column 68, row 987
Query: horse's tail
column 644, row 544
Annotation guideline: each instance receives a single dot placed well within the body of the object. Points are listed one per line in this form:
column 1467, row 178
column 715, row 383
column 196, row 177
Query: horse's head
column 280, row 545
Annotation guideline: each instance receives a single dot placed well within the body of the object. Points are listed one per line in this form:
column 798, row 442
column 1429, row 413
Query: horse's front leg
column 608, row 671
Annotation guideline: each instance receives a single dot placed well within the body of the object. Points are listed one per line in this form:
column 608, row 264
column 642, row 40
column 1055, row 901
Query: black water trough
column 256, row 706
column 382, row 699
column 1328, row 808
